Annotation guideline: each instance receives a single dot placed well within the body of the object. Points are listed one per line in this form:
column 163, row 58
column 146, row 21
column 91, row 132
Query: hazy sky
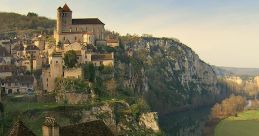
column 222, row 32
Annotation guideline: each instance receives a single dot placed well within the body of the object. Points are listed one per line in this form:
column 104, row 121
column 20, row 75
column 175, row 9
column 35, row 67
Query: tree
column 70, row 59
column 1, row 108
column 32, row 14
column 89, row 72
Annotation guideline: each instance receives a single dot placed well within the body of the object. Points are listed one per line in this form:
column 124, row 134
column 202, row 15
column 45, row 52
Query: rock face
column 149, row 121
column 127, row 123
column 169, row 74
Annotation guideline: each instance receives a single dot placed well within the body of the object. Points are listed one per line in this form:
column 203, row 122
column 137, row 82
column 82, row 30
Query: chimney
column 50, row 127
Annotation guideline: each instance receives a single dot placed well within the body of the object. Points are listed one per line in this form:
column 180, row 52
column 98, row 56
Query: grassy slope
column 246, row 124
column 14, row 22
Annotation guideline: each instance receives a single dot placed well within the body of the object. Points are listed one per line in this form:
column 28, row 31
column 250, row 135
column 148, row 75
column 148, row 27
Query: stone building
column 55, row 70
column 28, row 56
column 86, row 30
column 18, row 84
column 51, row 128
column 113, row 43
column 6, row 71
column 5, row 57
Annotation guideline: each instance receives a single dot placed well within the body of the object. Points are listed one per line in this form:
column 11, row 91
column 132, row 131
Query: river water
column 189, row 123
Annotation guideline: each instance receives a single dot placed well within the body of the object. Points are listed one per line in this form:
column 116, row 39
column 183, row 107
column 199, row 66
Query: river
column 189, row 123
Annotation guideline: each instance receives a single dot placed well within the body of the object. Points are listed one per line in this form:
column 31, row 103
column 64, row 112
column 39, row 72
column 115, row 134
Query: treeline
column 14, row 22
column 248, row 88
column 228, row 107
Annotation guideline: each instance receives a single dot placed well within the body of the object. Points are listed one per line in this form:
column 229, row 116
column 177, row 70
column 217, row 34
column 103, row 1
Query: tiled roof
column 56, row 54
column 20, row 79
column 66, row 8
column 18, row 47
column 85, row 21
column 93, row 128
column 32, row 47
column 98, row 57
column 4, row 52
column 7, row 68
column 19, row 129
column 112, row 41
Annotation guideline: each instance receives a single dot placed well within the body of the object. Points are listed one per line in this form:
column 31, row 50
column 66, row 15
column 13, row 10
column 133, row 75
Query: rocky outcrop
column 149, row 121
column 127, row 122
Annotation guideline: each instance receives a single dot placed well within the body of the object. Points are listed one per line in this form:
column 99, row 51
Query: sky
column 221, row 32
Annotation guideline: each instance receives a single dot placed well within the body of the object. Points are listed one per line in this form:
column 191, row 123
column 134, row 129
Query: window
column 75, row 38
column 56, row 61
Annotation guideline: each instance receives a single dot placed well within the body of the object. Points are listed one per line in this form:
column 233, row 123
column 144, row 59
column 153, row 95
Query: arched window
column 75, row 37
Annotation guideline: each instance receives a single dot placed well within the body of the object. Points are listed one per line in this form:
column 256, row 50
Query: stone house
column 112, row 43
column 5, row 57
column 27, row 56
column 19, row 84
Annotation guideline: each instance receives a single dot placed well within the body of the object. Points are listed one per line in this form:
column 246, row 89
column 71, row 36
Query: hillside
column 222, row 71
column 12, row 22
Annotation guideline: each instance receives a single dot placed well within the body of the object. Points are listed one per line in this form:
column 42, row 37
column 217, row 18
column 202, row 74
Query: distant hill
column 12, row 22
column 221, row 71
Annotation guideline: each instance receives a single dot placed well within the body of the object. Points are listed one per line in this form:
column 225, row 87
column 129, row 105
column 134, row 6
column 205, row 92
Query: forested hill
column 13, row 22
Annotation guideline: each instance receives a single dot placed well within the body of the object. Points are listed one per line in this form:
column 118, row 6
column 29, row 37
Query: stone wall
column 73, row 98
column 73, row 73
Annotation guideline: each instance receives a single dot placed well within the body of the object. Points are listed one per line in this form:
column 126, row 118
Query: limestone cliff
column 124, row 123
column 170, row 75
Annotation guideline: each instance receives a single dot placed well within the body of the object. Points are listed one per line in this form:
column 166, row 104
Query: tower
column 59, row 20
column 56, row 65
column 50, row 127
column 64, row 19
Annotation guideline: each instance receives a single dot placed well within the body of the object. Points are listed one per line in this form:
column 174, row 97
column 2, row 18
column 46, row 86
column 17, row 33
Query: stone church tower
column 64, row 19
column 82, row 30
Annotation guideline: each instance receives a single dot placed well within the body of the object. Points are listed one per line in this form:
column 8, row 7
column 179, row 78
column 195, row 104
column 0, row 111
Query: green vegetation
column 244, row 124
column 15, row 22
column 71, row 85
column 70, row 59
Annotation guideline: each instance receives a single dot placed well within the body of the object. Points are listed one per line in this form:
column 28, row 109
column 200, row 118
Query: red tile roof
column 93, row 128
column 66, row 8
column 32, row 47
column 85, row 21
column 19, row 129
